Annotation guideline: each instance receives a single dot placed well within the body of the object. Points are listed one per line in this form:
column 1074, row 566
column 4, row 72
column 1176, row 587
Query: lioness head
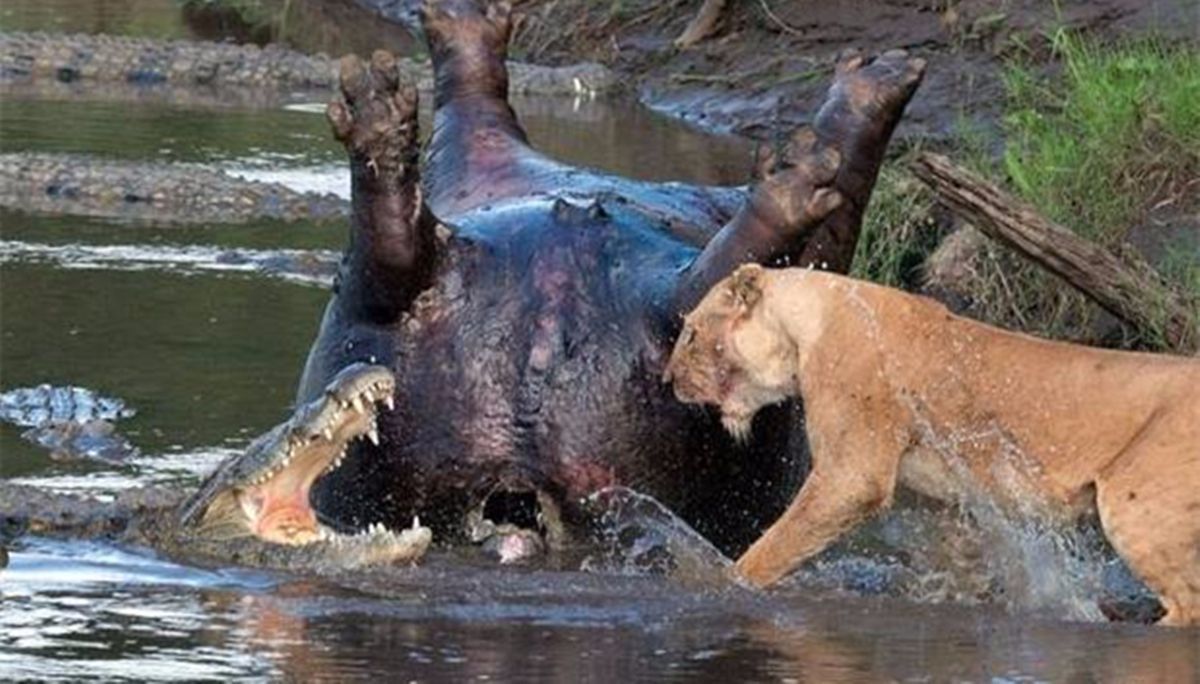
column 733, row 353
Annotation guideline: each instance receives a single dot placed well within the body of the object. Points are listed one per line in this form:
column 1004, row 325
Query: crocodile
column 72, row 422
column 99, row 58
column 253, row 509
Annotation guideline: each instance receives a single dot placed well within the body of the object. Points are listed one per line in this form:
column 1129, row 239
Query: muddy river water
column 209, row 353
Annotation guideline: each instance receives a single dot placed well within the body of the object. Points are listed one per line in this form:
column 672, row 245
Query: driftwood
column 702, row 25
column 1130, row 291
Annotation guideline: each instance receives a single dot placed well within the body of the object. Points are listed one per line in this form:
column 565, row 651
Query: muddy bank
column 768, row 64
column 86, row 186
column 143, row 62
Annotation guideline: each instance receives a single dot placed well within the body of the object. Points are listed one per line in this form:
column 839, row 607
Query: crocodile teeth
column 416, row 523
column 327, row 433
column 357, row 402
column 373, row 435
column 389, row 401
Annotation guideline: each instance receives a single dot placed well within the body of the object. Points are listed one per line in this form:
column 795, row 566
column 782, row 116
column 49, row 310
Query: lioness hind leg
column 1149, row 504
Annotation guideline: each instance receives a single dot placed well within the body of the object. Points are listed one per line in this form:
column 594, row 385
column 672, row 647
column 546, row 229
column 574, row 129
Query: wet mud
column 765, row 68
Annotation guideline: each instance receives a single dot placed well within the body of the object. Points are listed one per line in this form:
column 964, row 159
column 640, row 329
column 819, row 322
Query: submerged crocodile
column 253, row 510
column 86, row 186
column 73, row 58
column 72, row 422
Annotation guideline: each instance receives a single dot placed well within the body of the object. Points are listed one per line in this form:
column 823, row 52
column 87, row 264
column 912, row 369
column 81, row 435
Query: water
column 74, row 610
column 293, row 144
column 208, row 352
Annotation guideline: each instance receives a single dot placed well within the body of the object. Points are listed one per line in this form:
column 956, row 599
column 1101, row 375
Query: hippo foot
column 376, row 119
column 879, row 85
column 859, row 115
column 469, row 44
column 796, row 178
column 795, row 194
column 462, row 25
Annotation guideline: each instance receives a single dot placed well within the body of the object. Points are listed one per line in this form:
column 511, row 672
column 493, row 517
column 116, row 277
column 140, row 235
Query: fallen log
column 1131, row 291
column 702, row 25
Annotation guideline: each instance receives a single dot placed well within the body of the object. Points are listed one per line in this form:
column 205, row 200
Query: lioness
column 897, row 389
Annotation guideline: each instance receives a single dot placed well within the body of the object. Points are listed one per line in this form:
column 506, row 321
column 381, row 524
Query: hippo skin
column 528, row 307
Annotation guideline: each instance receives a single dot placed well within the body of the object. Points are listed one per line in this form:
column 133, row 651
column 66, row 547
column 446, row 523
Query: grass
column 1115, row 134
column 1109, row 142
column 1103, row 145
column 898, row 230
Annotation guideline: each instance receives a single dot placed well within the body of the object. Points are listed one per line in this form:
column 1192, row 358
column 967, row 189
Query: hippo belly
column 532, row 366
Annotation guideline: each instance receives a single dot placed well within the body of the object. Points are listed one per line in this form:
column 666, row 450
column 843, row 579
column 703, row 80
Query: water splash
column 635, row 534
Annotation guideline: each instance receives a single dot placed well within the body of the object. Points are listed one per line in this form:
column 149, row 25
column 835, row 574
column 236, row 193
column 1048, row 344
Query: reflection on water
column 293, row 144
column 77, row 609
column 85, row 610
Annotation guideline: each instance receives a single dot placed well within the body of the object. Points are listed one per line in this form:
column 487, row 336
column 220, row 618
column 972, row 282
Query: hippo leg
column 860, row 113
column 479, row 152
column 393, row 241
column 394, row 248
column 807, row 208
column 796, row 192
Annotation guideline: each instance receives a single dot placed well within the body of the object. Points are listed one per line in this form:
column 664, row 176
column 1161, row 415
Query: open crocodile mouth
column 265, row 491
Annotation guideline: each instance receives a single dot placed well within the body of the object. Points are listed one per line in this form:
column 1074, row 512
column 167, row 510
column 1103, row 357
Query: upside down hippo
column 528, row 308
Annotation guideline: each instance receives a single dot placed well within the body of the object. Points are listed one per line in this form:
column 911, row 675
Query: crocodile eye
column 689, row 335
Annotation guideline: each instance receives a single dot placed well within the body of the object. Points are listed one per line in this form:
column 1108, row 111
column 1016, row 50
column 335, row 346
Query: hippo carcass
column 527, row 307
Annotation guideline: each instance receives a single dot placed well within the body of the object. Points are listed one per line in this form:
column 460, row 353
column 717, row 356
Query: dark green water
column 206, row 360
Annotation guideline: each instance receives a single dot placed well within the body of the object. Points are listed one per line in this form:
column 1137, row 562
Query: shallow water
column 292, row 144
column 208, row 352
column 75, row 610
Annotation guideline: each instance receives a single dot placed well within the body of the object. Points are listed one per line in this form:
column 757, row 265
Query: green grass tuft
column 1115, row 134
column 1101, row 146
column 898, row 230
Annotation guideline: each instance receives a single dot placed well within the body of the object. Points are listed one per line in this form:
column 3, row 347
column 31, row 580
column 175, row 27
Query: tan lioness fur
column 897, row 390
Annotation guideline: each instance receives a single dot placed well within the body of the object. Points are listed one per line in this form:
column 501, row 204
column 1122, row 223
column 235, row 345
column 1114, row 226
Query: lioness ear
column 745, row 286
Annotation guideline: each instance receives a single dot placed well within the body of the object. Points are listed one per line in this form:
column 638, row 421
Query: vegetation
column 1116, row 134
column 1108, row 146
column 898, row 230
